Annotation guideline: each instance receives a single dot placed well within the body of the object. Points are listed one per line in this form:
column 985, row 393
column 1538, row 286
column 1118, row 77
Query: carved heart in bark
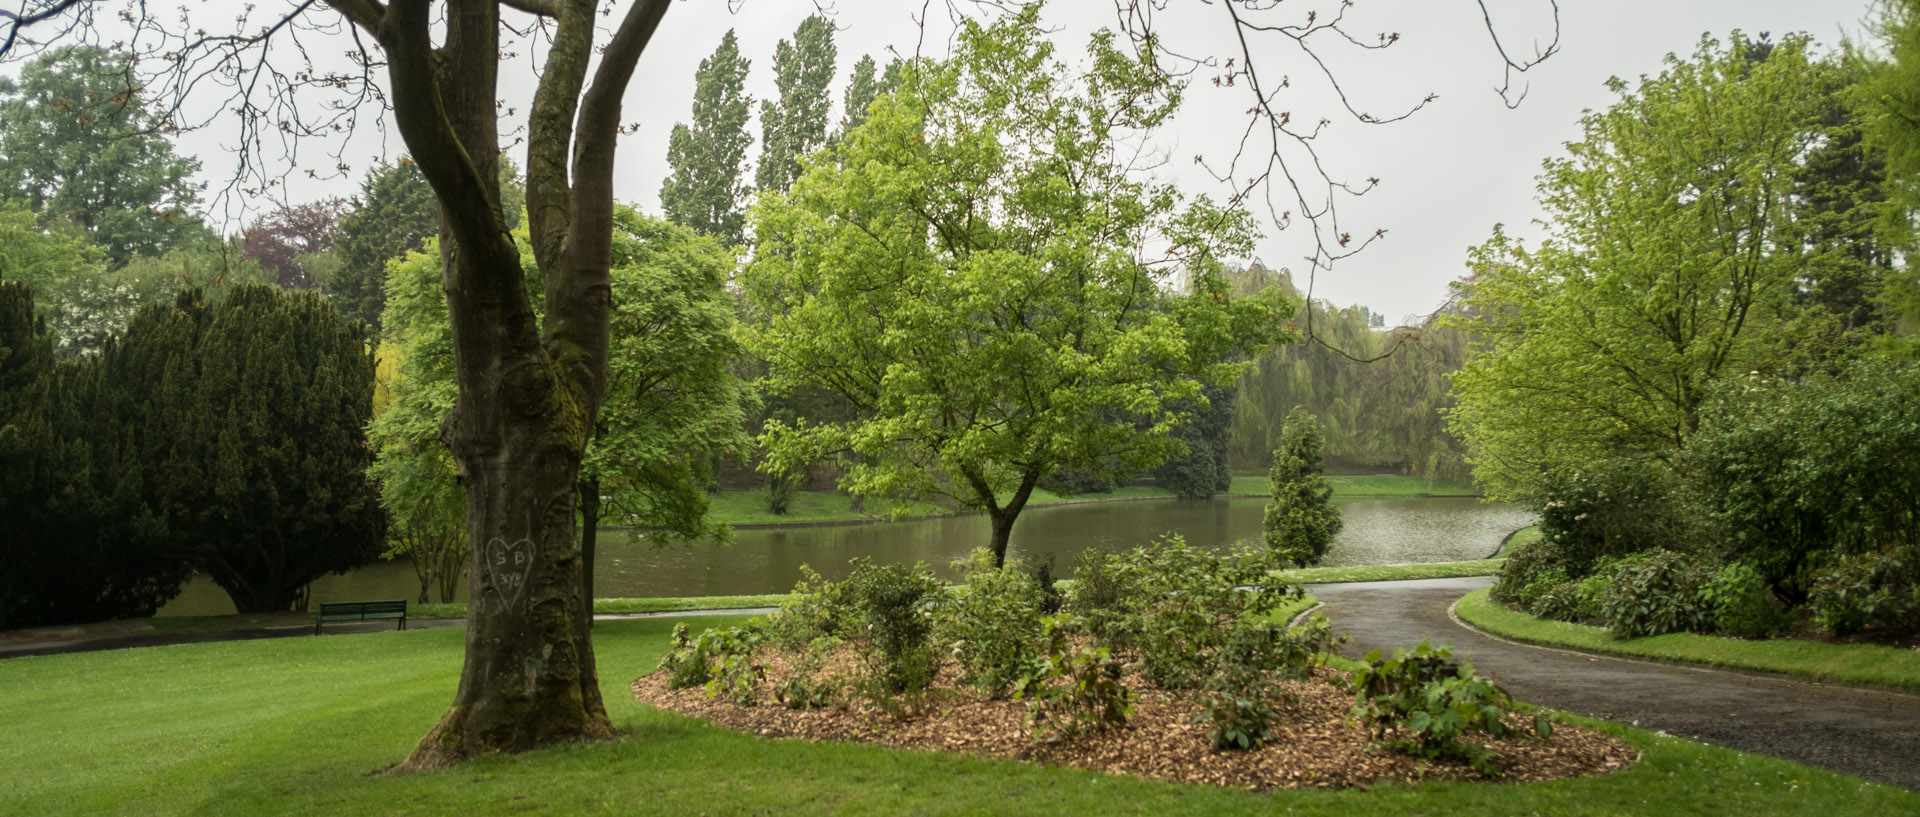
column 510, row 565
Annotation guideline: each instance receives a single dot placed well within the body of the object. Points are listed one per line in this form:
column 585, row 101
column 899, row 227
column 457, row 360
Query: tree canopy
column 1673, row 257
column 973, row 276
column 78, row 144
column 795, row 123
column 672, row 403
column 705, row 190
column 251, row 414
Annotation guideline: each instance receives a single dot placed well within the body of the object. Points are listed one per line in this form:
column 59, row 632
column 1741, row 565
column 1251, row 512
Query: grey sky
column 1447, row 175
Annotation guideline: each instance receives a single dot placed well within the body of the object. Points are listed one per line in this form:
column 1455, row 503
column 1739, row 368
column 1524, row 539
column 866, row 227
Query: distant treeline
column 1378, row 391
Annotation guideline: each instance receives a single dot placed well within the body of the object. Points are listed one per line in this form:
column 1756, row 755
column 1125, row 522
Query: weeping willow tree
column 1377, row 392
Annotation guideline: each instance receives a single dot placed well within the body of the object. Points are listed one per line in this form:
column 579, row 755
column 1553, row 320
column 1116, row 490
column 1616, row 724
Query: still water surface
column 768, row 560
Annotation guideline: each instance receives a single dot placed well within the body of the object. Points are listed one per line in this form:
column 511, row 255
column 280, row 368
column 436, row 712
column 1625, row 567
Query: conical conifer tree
column 1302, row 520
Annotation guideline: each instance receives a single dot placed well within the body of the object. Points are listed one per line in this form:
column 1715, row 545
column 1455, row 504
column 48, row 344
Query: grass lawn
column 654, row 605
column 1849, row 663
column 294, row 726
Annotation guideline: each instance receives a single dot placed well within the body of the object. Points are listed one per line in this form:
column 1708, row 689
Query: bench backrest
column 399, row 606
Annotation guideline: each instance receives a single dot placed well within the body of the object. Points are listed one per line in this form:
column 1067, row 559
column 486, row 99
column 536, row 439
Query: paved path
column 1873, row 734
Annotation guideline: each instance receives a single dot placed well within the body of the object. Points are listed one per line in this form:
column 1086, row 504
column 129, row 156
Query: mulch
column 1315, row 746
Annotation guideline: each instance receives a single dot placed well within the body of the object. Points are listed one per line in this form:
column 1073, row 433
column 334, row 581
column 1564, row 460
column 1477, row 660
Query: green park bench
column 360, row 611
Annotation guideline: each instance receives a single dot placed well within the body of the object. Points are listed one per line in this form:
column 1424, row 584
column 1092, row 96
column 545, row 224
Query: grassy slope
column 293, row 726
column 1849, row 663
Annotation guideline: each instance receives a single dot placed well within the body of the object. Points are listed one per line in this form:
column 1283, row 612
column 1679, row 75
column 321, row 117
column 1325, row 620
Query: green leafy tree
column 705, row 191
column 394, row 214
column 1886, row 99
column 1202, row 468
column 967, row 276
column 1377, row 392
column 418, row 477
column 80, row 544
column 255, row 418
column 672, row 405
column 1301, row 520
column 40, row 259
column 78, row 144
column 796, row 123
column 1888, row 96
column 1673, row 257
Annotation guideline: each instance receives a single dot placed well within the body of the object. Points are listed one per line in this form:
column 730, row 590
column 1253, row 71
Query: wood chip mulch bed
column 1315, row 748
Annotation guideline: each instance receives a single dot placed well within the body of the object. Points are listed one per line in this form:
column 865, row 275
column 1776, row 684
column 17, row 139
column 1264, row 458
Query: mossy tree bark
column 528, row 389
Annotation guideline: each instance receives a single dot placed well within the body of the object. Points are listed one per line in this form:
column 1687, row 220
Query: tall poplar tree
column 864, row 86
column 705, row 191
column 796, row 123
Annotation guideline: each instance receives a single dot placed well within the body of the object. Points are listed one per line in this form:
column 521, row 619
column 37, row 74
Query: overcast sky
column 1448, row 174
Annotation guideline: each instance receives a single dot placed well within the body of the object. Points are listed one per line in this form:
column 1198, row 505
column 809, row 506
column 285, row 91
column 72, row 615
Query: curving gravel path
column 1869, row 733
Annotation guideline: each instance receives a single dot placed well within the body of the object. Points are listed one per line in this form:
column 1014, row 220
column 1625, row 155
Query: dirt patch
column 1315, row 746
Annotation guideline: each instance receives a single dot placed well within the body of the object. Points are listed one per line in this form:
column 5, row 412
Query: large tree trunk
column 528, row 392
column 529, row 678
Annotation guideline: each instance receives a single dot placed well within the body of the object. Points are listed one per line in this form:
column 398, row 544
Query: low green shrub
column 1655, row 593
column 1072, row 688
column 992, row 623
column 1740, row 602
column 1579, row 601
column 1562, row 603
column 1529, row 571
column 1241, row 700
column 730, row 654
column 1172, row 605
column 1611, row 508
column 1424, row 703
column 687, row 666
column 896, row 606
column 1104, row 596
column 804, row 688
column 1051, row 599
column 1880, row 589
column 817, row 608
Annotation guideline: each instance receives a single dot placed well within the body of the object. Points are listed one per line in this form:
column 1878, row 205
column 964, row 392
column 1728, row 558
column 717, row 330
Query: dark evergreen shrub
column 1655, row 593
column 1880, row 589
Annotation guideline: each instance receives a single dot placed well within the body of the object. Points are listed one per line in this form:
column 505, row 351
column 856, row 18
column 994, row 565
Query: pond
column 768, row 560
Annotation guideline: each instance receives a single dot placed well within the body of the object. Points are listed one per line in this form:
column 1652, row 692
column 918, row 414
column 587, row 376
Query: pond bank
column 746, row 510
